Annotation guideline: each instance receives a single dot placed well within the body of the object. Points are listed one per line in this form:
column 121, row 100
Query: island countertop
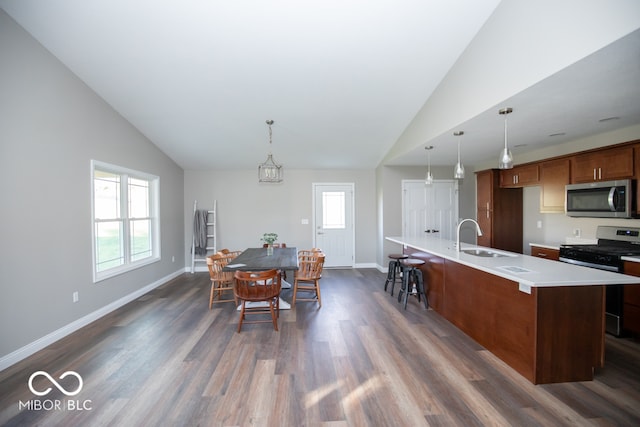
column 524, row 269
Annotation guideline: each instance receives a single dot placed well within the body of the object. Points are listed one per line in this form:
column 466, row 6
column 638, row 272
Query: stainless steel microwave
column 605, row 199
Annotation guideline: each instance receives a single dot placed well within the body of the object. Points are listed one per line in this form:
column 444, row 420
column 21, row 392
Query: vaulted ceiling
column 341, row 79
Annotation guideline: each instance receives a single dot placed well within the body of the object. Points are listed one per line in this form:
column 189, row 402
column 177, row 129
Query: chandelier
column 270, row 171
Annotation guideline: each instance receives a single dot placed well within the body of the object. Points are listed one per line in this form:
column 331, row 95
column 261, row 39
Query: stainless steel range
column 613, row 244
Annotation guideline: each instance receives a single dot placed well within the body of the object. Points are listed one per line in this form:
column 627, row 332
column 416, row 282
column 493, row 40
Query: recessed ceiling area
column 598, row 94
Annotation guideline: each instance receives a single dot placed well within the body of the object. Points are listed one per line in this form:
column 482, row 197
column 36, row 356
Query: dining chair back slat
column 257, row 287
column 308, row 275
column 221, row 281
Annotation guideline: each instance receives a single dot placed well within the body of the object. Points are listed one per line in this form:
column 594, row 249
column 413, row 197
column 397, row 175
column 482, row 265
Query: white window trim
column 155, row 223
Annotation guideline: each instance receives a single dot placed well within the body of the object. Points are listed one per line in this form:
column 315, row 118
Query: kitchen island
column 543, row 318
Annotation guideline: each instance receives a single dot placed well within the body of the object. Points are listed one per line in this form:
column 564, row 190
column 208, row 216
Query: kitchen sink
column 484, row 253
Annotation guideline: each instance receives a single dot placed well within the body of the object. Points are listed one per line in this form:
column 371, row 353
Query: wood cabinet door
column 584, row 168
column 631, row 302
column 604, row 165
column 519, row 176
column 528, row 175
column 484, row 195
column 484, row 189
column 484, row 221
column 636, row 173
column 509, row 177
column 617, row 163
column 554, row 176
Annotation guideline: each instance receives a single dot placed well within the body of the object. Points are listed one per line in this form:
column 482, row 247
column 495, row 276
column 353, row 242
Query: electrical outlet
column 75, row 296
column 577, row 232
column 173, row 259
column 539, row 224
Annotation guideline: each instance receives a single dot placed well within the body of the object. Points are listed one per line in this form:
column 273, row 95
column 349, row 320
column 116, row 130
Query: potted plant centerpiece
column 269, row 239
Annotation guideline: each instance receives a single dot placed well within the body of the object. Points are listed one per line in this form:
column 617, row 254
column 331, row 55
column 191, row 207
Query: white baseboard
column 37, row 345
column 366, row 265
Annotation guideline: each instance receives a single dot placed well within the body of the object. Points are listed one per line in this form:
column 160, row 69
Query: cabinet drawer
column 540, row 252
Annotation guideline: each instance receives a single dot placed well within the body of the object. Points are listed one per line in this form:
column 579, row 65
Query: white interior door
column 333, row 223
column 430, row 209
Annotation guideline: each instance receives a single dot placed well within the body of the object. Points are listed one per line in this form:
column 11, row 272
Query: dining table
column 260, row 259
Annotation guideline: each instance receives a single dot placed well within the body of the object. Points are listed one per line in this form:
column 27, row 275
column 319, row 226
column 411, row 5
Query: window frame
column 154, row 217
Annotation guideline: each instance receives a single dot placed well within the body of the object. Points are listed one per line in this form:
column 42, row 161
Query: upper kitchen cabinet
column 636, row 150
column 499, row 213
column 554, row 176
column 603, row 165
column 520, row 176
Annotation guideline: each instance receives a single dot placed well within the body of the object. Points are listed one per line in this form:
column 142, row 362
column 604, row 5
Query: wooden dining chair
column 307, row 253
column 229, row 254
column 221, row 281
column 308, row 277
column 262, row 290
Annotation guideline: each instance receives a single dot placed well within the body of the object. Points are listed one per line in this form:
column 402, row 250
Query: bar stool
column 412, row 276
column 394, row 271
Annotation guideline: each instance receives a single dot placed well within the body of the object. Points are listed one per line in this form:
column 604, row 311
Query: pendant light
column 506, row 158
column 428, row 180
column 458, row 171
column 270, row 171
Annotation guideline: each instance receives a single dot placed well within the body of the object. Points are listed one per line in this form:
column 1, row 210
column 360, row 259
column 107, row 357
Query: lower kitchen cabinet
column 631, row 302
column 546, row 253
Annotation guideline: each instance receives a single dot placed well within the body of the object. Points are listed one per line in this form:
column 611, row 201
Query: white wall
column 51, row 126
column 248, row 209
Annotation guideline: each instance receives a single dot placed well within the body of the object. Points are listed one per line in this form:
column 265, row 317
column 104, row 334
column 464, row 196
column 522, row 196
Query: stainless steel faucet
column 458, row 231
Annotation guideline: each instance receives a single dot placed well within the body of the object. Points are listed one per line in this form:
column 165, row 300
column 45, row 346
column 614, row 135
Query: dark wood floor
column 360, row 360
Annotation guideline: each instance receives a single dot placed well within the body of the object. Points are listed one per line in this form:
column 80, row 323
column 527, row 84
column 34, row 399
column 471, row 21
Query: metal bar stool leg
column 391, row 275
column 412, row 276
column 397, row 275
column 421, row 288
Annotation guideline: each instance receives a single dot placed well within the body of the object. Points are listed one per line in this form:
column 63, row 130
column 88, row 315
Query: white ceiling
column 341, row 79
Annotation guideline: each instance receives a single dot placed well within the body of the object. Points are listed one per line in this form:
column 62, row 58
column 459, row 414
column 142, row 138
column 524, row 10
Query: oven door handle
column 589, row 264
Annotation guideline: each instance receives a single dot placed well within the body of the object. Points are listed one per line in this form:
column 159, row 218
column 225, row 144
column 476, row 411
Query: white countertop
column 524, row 269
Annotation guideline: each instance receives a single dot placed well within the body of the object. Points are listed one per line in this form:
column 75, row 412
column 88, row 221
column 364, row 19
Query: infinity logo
column 54, row 382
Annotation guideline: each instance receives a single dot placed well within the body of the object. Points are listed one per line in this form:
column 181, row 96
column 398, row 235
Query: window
column 333, row 210
column 125, row 219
